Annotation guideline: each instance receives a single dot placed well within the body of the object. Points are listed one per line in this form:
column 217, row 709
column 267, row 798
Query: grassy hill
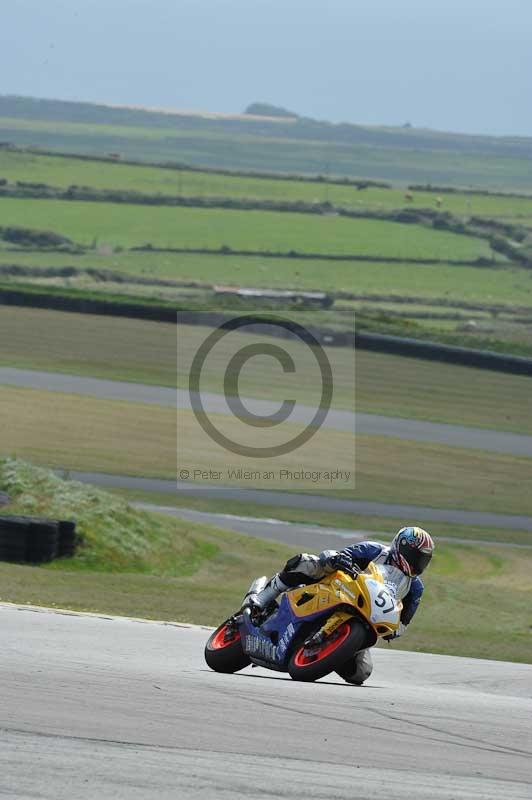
column 297, row 145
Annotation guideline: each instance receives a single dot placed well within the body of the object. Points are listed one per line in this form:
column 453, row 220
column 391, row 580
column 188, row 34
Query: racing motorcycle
column 313, row 630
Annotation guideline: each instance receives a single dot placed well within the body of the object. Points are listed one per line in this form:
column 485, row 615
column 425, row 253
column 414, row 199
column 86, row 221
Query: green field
column 132, row 226
column 64, row 172
column 384, row 154
column 107, row 231
column 505, row 284
column 151, row 566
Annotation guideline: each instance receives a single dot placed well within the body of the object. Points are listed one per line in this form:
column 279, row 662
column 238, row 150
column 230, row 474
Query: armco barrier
column 414, row 348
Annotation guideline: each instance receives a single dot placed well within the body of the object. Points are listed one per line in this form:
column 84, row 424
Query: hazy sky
column 463, row 65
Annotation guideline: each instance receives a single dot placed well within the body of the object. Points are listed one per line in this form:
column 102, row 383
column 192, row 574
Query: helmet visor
column 418, row 560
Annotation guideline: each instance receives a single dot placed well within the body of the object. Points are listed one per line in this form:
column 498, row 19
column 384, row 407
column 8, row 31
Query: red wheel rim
column 219, row 641
column 325, row 649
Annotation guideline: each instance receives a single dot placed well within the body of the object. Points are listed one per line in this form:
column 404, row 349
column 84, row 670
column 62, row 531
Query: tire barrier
column 431, row 351
column 36, row 540
column 13, row 538
column 87, row 305
column 68, row 539
column 43, row 540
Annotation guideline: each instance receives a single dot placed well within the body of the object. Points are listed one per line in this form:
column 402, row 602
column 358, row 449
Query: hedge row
column 429, row 187
column 31, row 237
column 358, row 183
column 38, row 191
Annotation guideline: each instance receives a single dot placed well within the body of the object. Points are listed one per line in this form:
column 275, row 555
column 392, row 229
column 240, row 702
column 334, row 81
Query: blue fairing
column 283, row 624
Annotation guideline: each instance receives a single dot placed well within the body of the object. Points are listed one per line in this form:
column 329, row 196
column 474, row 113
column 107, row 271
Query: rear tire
column 349, row 637
column 225, row 656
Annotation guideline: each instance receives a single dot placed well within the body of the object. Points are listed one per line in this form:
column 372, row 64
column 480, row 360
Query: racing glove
column 331, row 560
column 396, row 634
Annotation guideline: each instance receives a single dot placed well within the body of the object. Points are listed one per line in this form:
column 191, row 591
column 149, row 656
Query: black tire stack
column 43, row 541
column 68, row 539
column 13, row 538
column 36, row 540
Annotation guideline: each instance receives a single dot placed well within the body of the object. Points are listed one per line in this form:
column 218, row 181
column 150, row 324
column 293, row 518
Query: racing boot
column 257, row 586
column 262, row 593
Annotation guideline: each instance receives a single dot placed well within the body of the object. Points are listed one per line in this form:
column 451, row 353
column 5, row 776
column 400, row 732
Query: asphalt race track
column 374, row 424
column 112, row 708
column 454, row 435
column 301, row 536
column 305, row 501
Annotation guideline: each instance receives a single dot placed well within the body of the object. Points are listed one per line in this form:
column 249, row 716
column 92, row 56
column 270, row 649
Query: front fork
column 328, row 628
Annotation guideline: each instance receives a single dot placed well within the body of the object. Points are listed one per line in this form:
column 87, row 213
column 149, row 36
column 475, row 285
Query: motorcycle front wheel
column 223, row 651
column 313, row 663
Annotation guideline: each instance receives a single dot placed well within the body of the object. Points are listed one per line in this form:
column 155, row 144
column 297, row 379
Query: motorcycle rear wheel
column 348, row 638
column 223, row 652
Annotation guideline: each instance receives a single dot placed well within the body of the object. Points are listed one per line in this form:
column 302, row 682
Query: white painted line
column 94, row 615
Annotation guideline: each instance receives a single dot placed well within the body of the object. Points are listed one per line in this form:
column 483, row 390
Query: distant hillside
column 277, row 144
column 267, row 110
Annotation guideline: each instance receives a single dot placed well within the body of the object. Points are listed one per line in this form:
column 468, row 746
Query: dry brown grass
column 128, row 438
column 134, row 350
column 76, row 432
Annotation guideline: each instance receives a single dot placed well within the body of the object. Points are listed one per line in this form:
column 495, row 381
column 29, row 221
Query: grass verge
column 328, row 519
column 74, row 432
column 146, row 565
column 146, row 352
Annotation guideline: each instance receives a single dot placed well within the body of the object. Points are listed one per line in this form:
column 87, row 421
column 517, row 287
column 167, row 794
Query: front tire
column 311, row 664
column 223, row 651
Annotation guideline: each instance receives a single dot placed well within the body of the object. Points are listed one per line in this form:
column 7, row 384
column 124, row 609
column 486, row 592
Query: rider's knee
column 359, row 669
column 364, row 665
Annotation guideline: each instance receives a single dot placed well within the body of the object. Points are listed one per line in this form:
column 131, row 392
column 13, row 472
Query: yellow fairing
column 341, row 589
column 381, row 626
column 328, row 593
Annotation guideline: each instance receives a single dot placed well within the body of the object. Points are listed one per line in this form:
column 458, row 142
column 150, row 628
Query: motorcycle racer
column 405, row 559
